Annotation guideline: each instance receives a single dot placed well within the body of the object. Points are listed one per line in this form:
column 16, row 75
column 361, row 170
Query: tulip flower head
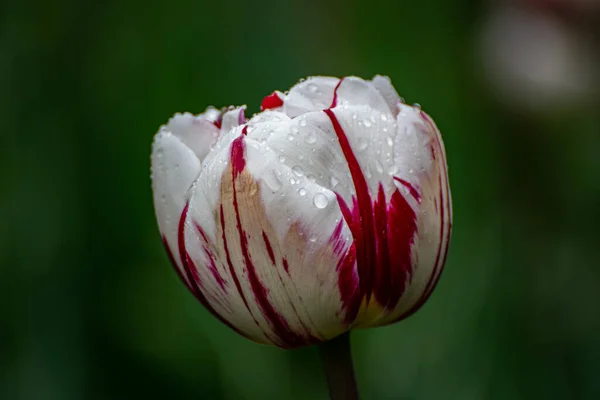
column 327, row 211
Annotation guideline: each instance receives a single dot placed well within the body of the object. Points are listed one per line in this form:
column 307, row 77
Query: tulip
column 329, row 210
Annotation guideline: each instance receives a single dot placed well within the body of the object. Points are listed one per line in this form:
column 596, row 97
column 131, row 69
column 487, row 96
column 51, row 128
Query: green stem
column 339, row 370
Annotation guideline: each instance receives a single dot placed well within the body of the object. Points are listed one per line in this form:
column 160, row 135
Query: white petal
column 233, row 118
column 422, row 162
column 304, row 216
column 384, row 85
column 353, row 91
column 313, row 94
column 197, row 132
column 174, row 169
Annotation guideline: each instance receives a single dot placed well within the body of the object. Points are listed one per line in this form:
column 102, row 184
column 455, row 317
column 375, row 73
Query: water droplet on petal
column 294, row 129
column 292, row 181
column 302, row 122
column 334, row 181
column 272, row 181
column 290, row 138
column 363, row 143
column 378, row 166
column 310, row 177
column 302, row 192
column 281, row 158
column 367, row 123
column 312, row 88
column 320, row 200
column 296, row 169
column 390, row 141
column 383, row 117
column 392, row 169
column 417, row 106
column 311, row 138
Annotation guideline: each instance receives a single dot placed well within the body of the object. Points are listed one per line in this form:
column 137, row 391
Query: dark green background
column 91, row 309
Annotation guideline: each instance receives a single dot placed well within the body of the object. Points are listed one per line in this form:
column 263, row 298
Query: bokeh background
column 89, row 305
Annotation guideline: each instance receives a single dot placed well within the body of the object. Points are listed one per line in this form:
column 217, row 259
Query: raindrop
column 302, row 192
column 402, row 100
column 383, row 117
column 311, row 138
column 363, row 143
column 290, row 138
column 310, row 177
column 378, row 166
column 417, row 106
column 334, row 182
column 367, row 123
column 390, row 142
column 281, row 158
column 292, row 181
column 320, row 200
column 302, row 122
column 313, row 239
column 294, row 129
column 273, row 181
column 392, row 169
column 296, row 169
column 312, row 87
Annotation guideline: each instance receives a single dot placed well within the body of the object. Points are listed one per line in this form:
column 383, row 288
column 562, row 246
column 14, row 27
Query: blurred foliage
column 91, row 309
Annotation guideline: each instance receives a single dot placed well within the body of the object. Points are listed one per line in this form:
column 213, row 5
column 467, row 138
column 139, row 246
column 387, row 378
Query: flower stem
column 339, row 370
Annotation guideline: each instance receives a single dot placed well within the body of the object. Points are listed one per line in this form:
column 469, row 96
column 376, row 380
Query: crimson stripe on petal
column 234, row 276
column 413, row 192
column 383, row 285
column 212, row 260
column 363, row 228
column 269, row 248
column 192, row 273
column 349, row 285
column 334, row 102
column 402, row 230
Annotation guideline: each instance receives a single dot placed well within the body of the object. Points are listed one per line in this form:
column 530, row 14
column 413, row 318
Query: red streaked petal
column 271, row 101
